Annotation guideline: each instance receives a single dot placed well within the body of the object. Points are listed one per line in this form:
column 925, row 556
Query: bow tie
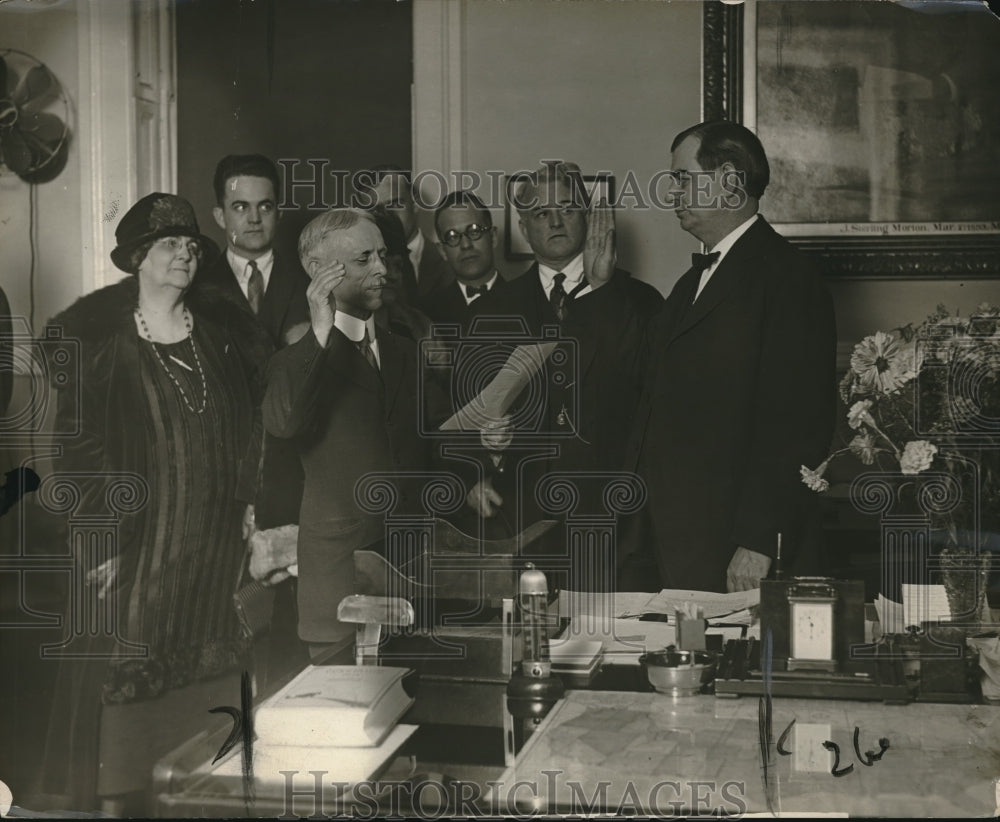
column 476, row 290
column 702, row 262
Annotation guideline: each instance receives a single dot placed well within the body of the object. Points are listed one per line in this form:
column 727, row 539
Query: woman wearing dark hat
column 169, row 391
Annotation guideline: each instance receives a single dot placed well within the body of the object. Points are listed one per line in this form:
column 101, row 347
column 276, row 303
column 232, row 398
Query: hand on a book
column 483, row 499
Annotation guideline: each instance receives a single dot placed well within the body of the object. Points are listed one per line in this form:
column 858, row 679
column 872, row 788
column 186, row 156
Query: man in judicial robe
column 586, row 399
column 739, row 385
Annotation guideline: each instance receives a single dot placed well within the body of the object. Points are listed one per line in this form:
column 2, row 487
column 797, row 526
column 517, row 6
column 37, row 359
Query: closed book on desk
column 342, row 706
column 341, row 765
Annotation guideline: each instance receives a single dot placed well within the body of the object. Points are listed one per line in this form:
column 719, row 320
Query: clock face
column 812, row 630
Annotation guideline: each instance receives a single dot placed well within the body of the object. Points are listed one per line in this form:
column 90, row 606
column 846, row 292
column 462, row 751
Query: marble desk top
column 665, row 756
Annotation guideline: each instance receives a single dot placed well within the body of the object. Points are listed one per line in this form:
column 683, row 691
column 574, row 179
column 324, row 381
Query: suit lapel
column 541, row 309
column 723, row 280
column 392, row 366
column 350, row 363
column 275, row 303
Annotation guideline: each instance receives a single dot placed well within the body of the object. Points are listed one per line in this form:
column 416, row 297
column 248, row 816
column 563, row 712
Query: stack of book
column 576, row 660
column 341, row 719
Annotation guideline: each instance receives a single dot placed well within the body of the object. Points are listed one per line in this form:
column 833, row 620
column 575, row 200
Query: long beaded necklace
column 197, row 360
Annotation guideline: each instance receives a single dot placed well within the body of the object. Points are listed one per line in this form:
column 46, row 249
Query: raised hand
column 599, row 253
column 322, row 302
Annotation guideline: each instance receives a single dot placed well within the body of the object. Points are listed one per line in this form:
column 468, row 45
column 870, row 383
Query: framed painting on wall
column 880, row 123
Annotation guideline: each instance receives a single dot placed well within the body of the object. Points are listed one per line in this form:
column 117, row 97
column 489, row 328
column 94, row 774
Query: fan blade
column 8, row 114
column 36, row 90
column 45, row 126
column 16, row 153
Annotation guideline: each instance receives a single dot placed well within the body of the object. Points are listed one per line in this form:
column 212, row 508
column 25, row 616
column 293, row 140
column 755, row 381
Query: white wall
column 604, row 84
column 499, row 84
column 50, row 36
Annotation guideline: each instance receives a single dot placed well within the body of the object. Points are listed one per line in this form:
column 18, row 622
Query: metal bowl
column 678, row 673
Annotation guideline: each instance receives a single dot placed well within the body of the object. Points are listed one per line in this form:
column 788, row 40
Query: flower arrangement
column 928, row 397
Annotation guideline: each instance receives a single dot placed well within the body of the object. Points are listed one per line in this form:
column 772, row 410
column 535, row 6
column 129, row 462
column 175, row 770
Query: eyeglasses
column 175, row 244
column 452, row 237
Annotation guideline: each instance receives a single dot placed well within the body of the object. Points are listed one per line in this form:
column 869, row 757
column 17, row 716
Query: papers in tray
column 712, row 604
column 598, row 609
column 623, row 640
column 576, row 659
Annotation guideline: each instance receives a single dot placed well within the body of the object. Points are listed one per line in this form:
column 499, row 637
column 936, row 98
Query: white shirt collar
column 573, row 271
column 353, row 328
column 416, row 247
column 241, row 268
column 727, row 242
column 723, row 247
column 489, row 287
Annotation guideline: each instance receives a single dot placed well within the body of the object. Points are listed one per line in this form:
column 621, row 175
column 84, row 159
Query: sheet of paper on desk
column 712, row 604
column 619, row 604
column 924, row 603
column 624, row 640
column 495, row 400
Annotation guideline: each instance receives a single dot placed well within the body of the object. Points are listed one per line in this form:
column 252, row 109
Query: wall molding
column 127, row 120
column 438, row 95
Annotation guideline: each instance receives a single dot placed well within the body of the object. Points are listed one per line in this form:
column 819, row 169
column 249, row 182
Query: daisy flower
column 875, row 361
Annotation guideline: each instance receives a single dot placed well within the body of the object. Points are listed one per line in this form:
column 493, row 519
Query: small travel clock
column 811, row 626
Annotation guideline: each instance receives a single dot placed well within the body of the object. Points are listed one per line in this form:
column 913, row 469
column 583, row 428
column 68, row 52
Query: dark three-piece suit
column 739, row 392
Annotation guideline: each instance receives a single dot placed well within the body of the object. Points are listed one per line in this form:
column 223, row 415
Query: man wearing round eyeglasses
column 467, row 239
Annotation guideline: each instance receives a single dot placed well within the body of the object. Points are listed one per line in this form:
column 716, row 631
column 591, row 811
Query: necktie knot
column 255, row 287
column 702, row 262
column 365, row 347
column 557, row 296
column 476, row 290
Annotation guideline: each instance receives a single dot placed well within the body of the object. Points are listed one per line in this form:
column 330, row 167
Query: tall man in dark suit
column 467, row 240
column 392, row 189
column 347, row 394
column 250, row 270
column 586, row 413
column 739, row 387
column 274, row 289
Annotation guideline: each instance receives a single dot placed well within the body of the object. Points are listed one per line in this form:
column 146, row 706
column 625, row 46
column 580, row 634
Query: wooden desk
column 705, row 756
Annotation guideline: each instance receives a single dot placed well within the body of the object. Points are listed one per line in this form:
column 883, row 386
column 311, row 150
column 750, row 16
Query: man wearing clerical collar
column 739, row 388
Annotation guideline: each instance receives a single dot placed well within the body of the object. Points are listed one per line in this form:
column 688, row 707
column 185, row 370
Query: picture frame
column 516, row 245
column 903, row 107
